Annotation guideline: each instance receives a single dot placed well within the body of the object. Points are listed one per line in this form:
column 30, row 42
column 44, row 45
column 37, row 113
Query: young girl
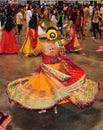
column 8, row 42
column 57, row 80
column 31, row 43
column 4, row 120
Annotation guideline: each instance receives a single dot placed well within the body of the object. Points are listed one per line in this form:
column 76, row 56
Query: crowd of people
column 60, row 26
column 71, row 21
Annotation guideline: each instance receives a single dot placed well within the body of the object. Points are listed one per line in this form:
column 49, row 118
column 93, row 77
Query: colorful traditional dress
column 57, row 80
column 70, row 41
column 4, row 120
column 31, row 44
column 8, row 43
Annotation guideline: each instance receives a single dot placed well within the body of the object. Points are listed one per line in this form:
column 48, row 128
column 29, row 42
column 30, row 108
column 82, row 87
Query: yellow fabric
column 64, row 42
column 27, row 48
column 38, row 82
column 56, row 66
column 86, row 92
column 51, row 32
column 76, row 42
column 41, row 92
column 37, row 49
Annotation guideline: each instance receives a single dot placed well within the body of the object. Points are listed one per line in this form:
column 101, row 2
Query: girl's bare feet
column 42, row 111
column 26, row 55
column 99, row 50
column 55, row 110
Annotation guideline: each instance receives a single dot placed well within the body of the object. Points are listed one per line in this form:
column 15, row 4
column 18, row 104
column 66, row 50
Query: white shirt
column 101, row 10
column 54, row 20
column 91, row 9
column 28, row 16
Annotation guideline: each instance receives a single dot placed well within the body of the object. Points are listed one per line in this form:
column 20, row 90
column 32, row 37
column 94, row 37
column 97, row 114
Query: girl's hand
column 0, row 29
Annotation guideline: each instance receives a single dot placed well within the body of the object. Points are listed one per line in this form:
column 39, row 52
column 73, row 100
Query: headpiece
column 51, row 33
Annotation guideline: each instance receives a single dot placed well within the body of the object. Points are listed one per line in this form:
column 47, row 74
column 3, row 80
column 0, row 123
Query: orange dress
column 57, row 80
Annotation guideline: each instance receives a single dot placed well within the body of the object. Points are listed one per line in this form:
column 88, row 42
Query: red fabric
column 8, row 43
column 70, row 45
column 75, row 71
column 78, row 19
column 47, row 59
column 33, row 37
column 38, row 70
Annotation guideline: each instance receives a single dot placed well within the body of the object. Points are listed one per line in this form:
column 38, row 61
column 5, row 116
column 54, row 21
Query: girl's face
column 51, row 48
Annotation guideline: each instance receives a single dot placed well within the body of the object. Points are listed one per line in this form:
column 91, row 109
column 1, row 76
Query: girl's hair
column 51, row 28
column 9, row 25
column 33, row 22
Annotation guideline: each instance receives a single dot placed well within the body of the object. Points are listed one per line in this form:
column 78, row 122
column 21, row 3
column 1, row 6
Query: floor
column 69, row 117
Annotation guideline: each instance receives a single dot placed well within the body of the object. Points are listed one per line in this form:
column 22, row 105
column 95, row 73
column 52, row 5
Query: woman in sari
column 30, row 45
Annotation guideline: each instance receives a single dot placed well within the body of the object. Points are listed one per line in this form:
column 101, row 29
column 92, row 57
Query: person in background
column 70, row 40
column 86, row 13
column 2, row 22
column 95, row 23
column 80, row 23
column 2, row 18
column 101, row 11
column 54, row 17
column 28, row 16
column 19, row 20
column 30, row 45
column 8, row 43
column 101, row 22
column 91, row 8
column 44, row 21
